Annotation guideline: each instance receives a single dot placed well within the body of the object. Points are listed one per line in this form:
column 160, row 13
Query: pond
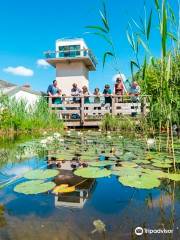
column 88, row 185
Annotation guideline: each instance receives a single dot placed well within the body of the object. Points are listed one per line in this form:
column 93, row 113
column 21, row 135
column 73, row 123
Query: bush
column 18, row 115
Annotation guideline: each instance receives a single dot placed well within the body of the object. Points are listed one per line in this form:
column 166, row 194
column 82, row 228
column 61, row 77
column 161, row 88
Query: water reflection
column 71, row 215
column 78, row 198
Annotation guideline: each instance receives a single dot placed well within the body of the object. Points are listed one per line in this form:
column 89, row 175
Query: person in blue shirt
column 134, row 92
column 107, row 94
column 54, row 92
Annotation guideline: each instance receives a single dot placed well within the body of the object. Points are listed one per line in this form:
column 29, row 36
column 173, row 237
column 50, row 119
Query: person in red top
column 119, row 89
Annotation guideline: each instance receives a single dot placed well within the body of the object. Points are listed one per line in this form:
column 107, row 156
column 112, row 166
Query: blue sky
column 28, row 28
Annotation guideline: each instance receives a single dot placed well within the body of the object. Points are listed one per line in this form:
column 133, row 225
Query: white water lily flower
column 56, row 135
column 99, row 130
column 108, row 132
column 150, row 142
column 79, row 133
column 109, row 137
column 121, row 137
column 49, row 139
column 43, row 141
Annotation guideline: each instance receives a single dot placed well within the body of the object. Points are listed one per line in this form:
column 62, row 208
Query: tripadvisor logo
column 139, row 231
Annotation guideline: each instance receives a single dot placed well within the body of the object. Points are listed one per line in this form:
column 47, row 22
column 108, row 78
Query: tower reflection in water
column 84, row 187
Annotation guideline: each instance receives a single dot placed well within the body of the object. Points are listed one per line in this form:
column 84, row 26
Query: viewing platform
column 68, row 56
column 82, row 114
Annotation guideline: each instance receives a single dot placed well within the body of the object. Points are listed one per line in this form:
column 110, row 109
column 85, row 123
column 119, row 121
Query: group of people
column 58, row 97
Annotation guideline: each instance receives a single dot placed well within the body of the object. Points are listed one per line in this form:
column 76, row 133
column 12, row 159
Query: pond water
column 120, row 205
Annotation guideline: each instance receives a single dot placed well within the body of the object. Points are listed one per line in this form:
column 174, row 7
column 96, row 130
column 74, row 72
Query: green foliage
column 144, row 181
column 18, row 115
column 34, row 187
column 92, row 172
column 111, row 123
column 41, row 174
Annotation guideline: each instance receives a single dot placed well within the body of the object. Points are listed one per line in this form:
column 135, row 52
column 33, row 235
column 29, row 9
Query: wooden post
column 113, row 106
column 50, row 103
column 82, row 111
column 144, row 107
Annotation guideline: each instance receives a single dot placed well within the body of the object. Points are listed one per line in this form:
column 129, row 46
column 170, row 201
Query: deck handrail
column 101, row 95
column 86, row 52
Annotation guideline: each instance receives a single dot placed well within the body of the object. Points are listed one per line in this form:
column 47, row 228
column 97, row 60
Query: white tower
column 73, row 61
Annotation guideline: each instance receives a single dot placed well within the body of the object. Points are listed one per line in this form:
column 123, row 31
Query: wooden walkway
column 90, row 114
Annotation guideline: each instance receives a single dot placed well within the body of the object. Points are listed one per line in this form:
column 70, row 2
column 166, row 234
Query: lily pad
column 129, row 164
column 63, row 188
column 155, row 173
column 126, row 171
column 144, row 181
column 34, row 187
column 129, row 156
column 102, row 163
column 41, row 174
column 173, row 176
column 166, row 161
column 92, row 172
column 142, row 161
column 161, row 165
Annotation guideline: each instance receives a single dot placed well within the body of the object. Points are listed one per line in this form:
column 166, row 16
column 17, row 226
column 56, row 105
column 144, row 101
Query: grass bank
column 17, row 117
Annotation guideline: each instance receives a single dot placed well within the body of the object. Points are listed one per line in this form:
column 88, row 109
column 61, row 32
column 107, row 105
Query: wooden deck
column 90, row 114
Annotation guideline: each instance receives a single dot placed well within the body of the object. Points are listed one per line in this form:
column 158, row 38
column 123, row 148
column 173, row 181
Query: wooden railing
column 80, row 110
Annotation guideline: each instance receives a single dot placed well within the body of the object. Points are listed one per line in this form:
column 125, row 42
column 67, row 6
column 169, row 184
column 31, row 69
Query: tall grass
column 19, row 116
column 158, row 77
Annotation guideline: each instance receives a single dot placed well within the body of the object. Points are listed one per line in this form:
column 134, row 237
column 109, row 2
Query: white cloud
column 119, row 75
column 42, row 63
column 20, row 71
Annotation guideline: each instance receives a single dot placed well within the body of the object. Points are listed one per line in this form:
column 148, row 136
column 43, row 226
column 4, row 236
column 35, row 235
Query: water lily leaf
column 173, row 176
column 128, row 156
column 92, row 172
column 41, row 174
column 161, row 165
column 126, row 171
column 155, row 173
column 129, row 164
column 34, row 187
column 142, row 161
column 63, row 188
column 99, row 226
column 144, row 181
column 166, row 161
column 102, row 163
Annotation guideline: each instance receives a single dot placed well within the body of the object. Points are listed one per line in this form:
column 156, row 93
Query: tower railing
column 83, row 109
column 78, row 53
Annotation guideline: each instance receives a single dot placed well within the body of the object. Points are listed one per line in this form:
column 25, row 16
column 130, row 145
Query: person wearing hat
column 107, row 94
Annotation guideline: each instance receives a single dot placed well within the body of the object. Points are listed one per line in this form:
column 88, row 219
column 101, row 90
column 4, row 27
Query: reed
column 158, row 77
column 19, row 116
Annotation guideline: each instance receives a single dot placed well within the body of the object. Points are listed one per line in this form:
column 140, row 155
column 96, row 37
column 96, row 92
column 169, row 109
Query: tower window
column 69, row 51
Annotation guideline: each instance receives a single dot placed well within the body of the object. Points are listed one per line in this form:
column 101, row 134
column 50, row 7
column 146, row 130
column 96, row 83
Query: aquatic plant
column 63, row 188
column 92, row 172
column 34, row 187
column 19, row 116
column 41, row 174
column 144, row 181
column 158, row 77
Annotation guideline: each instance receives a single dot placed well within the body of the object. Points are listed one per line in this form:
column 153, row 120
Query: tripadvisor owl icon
column 138, row 231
